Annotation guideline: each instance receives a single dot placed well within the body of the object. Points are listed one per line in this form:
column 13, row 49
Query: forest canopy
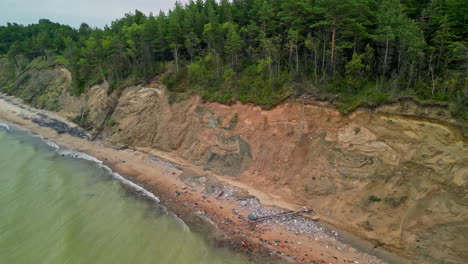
column 356, row 52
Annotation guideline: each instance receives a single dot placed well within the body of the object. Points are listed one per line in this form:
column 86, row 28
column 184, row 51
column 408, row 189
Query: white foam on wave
column 135, row 186
column 80, row 155
column 5, row 126
column 52, row 144
column 34, row 135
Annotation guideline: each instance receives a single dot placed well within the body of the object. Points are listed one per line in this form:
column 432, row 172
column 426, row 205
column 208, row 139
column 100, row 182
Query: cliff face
column 397, row 176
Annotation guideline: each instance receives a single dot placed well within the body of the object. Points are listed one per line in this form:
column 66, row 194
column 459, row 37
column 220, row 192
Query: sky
column 96, row 13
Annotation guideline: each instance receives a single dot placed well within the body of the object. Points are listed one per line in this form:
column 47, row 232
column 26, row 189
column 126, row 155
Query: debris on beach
column 290, row 220
column 225, row 193
column 261, row 215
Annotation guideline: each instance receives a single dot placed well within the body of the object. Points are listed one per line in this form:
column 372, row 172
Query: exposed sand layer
column 203, row 200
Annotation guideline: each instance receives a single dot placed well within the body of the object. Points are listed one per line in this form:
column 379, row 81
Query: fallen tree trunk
column 264, row 218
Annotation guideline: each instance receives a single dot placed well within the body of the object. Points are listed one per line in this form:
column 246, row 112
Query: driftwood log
column 267, row 217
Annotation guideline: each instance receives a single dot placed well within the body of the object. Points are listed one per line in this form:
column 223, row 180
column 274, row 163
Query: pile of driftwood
column 267, row 217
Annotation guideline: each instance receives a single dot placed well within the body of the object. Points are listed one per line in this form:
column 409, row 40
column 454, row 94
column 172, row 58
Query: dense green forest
column 352, row 52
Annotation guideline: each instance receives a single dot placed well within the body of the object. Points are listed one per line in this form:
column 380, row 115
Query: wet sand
column 211, row 204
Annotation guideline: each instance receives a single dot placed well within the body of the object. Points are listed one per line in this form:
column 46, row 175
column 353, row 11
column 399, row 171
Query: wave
column 5, row 126
column 84, row 156
column 46, row 141
column 135, row 186
column 115, row 175
column 81, row 155
column 52, row 144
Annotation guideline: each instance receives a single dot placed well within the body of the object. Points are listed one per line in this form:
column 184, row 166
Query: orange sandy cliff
column 396, row 175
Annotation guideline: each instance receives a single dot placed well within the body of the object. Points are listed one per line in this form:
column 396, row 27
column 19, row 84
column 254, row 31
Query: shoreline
column 209, row 204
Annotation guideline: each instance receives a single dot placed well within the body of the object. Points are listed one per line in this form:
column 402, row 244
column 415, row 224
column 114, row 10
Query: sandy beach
column 217, row 206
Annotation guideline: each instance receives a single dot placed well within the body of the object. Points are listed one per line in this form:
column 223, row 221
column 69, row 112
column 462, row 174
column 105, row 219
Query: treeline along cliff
column 354, row 52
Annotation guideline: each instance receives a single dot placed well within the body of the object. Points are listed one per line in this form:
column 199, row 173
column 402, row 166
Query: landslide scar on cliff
column 230, row 157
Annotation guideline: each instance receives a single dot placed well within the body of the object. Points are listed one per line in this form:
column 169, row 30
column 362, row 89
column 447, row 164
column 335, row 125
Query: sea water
column 59, row 207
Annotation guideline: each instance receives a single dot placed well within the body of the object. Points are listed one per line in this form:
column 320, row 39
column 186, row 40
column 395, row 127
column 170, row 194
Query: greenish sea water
column 55, row 208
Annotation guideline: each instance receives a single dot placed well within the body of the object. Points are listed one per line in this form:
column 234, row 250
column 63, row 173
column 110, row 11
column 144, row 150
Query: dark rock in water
column 252, row 217
column 90, row 195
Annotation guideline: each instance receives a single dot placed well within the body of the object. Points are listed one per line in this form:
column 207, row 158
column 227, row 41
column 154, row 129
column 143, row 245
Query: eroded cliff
column 396, row 175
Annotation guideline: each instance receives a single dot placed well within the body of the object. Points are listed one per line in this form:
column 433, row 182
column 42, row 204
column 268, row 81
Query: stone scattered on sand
column 252, row 217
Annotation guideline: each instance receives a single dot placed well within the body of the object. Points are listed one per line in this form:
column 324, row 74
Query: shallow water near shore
column 55, row 208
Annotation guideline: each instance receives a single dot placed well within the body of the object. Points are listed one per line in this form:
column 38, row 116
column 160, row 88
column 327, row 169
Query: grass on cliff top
column 367, row 98
column 253, row 83
column 248, row 89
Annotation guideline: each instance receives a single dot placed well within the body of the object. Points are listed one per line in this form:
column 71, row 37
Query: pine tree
column 233, row 44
